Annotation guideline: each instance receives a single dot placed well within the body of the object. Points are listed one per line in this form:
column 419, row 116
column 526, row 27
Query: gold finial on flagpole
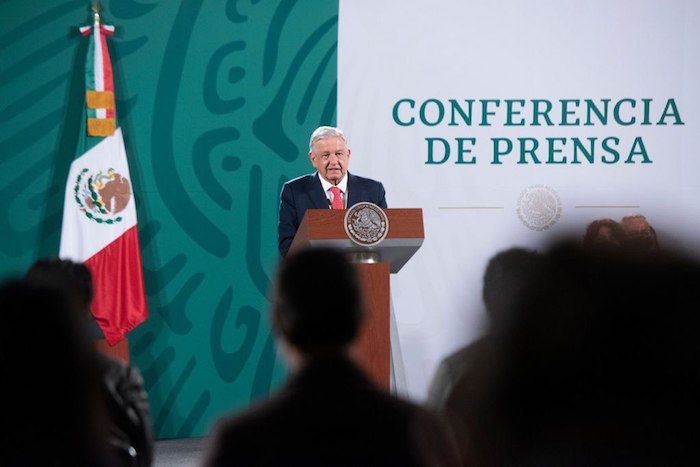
column 96, row 10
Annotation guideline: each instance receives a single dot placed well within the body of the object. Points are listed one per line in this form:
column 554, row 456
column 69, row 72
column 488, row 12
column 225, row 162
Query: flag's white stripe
column 99, row 69
column 81, row 237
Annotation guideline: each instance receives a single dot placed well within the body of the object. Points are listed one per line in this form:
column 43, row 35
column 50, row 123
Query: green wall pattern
column 217, row 99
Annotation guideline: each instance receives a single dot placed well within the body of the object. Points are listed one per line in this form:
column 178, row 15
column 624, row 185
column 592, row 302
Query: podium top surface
column 325, row 228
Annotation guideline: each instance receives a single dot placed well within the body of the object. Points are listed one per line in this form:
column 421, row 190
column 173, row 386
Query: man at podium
column 330, row 187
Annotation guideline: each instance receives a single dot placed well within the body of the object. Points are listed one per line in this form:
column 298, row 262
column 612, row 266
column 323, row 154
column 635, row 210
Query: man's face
column 330, row 157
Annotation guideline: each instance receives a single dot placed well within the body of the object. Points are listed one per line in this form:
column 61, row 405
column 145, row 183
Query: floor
column 179, row 452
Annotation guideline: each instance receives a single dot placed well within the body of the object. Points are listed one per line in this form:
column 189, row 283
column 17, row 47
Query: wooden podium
column 325, row 228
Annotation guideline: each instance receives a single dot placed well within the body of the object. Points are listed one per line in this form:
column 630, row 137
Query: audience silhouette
column 591, row 358
column 639, row 236
column 328, row 413
column 506, row 275
column 598, row 365
column 122, row 388
column 632, row 233
column 52, row 415
column 603, row 233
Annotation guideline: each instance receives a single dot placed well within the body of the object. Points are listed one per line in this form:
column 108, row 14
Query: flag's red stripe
column 106, row 62
column 120, row 301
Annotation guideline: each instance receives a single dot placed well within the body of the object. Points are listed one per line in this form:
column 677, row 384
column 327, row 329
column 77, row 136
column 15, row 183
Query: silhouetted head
column 317, row 303
column 640, row 236
column 71, row 277
column 603, row 233
column 506, row 278
column 52, row 415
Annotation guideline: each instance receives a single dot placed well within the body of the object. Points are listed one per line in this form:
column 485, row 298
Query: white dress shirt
column 343, row 185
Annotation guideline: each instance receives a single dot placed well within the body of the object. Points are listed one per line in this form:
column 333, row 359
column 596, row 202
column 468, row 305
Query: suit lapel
column 319, row 200
column 353, row 191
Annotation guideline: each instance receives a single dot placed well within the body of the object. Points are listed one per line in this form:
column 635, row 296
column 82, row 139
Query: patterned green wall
column 217, row 99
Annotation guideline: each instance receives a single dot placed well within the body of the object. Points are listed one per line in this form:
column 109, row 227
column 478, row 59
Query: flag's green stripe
column 90, row 64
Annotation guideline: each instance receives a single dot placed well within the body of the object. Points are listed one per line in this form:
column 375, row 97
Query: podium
column 325, row 228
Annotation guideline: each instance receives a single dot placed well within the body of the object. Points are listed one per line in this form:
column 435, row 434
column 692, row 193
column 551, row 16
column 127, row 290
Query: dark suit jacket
column 328, row 414
column 306, row 192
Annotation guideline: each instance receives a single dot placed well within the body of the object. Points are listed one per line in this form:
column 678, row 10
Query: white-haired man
column 331, row 186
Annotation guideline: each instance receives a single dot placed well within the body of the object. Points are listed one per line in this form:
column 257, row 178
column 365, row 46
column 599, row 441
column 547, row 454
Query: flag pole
column 96, row 10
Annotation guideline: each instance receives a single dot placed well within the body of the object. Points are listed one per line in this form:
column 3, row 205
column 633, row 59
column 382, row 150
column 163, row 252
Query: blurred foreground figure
column 121, row 386
column 51, row 415
column 328, row 413
column 600, row 366
column 506, row 277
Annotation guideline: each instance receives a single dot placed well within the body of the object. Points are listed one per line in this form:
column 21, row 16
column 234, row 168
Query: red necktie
column 337, row 199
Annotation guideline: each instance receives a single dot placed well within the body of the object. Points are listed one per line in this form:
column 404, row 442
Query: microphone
column 329, row 203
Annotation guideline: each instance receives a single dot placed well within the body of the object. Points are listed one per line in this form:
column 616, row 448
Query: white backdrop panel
column 547, row 50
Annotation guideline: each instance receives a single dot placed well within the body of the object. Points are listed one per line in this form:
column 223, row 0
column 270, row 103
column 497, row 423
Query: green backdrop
column 217, row 100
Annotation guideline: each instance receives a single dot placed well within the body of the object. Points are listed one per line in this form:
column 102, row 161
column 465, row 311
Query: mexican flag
column 99, row 215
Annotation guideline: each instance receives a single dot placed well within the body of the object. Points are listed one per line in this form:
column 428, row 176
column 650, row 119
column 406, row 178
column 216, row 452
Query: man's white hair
column 324, row 132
